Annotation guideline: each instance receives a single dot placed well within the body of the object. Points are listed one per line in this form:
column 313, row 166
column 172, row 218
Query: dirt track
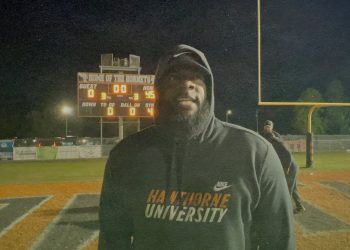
column 326, row 192
column 329, row 200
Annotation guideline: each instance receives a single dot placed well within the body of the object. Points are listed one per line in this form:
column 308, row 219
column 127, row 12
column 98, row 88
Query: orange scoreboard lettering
column 115, row 95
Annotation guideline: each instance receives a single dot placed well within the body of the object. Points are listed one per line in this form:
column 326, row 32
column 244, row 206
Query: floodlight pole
column 66, row 125
column 66, row 110
column 257, row 119
column 228, row 113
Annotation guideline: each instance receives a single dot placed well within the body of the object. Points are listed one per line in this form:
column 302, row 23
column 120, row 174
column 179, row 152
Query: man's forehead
column 187, row 71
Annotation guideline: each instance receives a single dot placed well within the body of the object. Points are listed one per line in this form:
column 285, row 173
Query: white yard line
column 52, row 224
column 47, row 230
column 9, row 227
column 2, row 205
column 87, row 242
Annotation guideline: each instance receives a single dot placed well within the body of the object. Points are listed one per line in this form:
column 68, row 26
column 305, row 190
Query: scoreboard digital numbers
column 115, row 95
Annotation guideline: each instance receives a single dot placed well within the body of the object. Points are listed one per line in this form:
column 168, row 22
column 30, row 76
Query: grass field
column 326, row 160
column 92, row 169
column 51, row 171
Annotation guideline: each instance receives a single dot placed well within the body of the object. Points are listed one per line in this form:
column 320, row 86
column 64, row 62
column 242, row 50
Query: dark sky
column 45, row 43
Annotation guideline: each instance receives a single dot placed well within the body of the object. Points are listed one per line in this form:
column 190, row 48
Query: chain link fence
column 296, row 143
column 322, row 143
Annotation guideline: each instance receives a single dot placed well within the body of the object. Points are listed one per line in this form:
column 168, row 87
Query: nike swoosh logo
column 216, row 189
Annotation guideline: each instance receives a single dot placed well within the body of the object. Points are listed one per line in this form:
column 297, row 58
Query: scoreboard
column 115, row 95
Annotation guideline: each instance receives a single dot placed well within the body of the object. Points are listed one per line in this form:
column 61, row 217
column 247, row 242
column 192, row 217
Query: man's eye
column 173, row 78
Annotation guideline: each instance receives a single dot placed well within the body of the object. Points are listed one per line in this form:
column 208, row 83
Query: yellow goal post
column 312, row 105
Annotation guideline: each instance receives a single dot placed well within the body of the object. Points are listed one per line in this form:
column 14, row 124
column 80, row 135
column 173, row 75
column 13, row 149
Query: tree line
column 327, row 120
column 47, row 119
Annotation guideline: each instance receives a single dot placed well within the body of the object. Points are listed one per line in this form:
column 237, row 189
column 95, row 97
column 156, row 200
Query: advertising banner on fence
column 68, row 152
column 46, row 153
column 24, row 153
column 6, row 149
column 90, row 151
column 60, row 152
column 296, row 145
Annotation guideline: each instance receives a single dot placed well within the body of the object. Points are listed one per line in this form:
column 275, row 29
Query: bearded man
column 192, row 181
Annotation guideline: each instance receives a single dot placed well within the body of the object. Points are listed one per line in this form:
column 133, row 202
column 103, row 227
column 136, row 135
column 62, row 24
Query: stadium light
column 228, row 112
column 67, row 111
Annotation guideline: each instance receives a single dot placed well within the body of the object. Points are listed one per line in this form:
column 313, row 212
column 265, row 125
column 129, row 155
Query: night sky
column 45, row 43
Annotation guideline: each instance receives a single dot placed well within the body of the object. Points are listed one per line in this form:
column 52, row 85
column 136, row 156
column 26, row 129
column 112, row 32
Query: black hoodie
column 223, row 188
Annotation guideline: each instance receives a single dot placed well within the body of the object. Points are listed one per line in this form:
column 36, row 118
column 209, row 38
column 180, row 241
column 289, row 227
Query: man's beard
column 267, row 135
column 181, row 124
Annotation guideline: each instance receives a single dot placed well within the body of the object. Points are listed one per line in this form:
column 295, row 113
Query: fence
column 86, row 147
column 55, row 148
column 322, row 143
column 60, row 152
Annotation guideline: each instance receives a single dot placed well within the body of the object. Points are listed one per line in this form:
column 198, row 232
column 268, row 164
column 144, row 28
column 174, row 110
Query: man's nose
column 186, row 88
column 188, row 85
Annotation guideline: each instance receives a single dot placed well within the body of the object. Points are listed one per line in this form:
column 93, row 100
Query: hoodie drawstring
column 175, row 168
column 171, row 165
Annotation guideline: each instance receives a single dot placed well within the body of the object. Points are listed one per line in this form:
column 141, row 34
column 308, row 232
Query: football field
column 54, row 204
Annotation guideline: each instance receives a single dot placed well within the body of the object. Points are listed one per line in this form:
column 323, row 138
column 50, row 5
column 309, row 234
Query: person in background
column 192, row 181
column 289, row 165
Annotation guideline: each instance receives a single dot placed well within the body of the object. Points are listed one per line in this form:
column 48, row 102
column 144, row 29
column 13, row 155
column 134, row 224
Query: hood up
column 189, row 57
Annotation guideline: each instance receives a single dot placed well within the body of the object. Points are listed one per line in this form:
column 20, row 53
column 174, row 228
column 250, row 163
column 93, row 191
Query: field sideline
column 54, row 204
column 51, row 171
column 92, row 169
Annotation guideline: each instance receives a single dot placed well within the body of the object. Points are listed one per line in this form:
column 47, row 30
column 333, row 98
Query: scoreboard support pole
column 121, row 128
column 101, row 129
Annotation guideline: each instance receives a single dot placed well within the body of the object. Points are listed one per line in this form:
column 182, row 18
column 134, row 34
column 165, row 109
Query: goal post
column 312, row 105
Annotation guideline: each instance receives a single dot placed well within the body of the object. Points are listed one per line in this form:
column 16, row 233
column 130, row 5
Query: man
column 192, row 181
column 288, row 163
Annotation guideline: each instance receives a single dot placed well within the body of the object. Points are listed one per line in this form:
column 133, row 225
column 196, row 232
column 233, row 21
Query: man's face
column 183, row 92
column 268, row 129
